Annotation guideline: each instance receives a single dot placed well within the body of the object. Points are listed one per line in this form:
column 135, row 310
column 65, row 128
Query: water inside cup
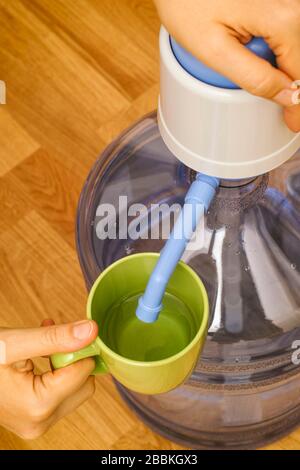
column 129, row 337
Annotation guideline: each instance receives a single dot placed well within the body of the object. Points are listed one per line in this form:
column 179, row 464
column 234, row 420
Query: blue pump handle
column 200, row 71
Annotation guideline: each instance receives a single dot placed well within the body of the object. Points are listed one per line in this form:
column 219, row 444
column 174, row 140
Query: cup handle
column 60, row 360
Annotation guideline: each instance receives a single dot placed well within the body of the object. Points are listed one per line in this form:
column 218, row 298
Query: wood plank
column 144, row 104
column 16, row 144
column 51, row 190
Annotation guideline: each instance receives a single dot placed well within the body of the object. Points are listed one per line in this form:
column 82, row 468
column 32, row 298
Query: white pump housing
column 220, row 132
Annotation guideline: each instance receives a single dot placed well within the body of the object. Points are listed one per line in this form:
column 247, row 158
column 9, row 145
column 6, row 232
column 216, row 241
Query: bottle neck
column 232, row 201
column 225, row 183
column 238, row 195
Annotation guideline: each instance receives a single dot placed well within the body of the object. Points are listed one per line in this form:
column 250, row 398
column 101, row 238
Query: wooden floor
column 77, row 73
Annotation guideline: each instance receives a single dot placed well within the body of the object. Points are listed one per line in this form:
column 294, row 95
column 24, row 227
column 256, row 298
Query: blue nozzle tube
column 197, row 202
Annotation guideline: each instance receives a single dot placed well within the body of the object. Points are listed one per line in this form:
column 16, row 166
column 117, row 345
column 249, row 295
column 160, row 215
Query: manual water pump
column 185, row 136
column 244, row 391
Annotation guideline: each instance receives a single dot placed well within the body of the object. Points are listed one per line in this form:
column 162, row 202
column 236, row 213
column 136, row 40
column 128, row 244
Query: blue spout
column 197, row 202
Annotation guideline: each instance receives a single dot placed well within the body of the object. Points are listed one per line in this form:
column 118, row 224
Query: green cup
column 146, row 358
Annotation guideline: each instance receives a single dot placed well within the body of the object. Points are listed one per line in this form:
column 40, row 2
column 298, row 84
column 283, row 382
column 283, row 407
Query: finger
column 58, row 385
column 76, row 400
column 24, row 366
column 68, row 406
column 48, row 322
column 292, row 118
column 229, row 57
column 289, row 62
column 17, row 345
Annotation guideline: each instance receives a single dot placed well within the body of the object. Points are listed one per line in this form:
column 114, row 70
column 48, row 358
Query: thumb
column 228, row 56
column 20, row 344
